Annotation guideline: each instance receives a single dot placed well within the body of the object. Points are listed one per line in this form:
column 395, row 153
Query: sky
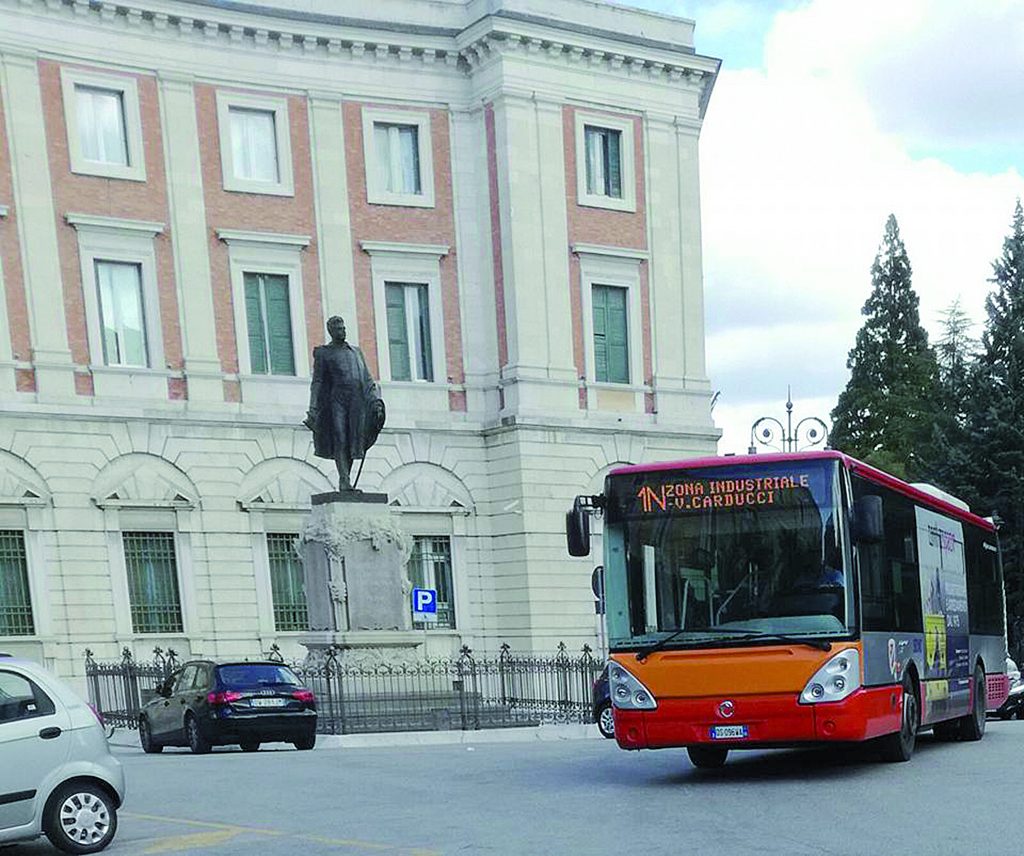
column 827, row 117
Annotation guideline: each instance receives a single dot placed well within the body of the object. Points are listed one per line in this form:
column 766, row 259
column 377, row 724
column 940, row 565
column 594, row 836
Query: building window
column 269, row 322
column 430, row 567
column 408, row 308
column 611, row 334
column 398, row 157
column 286, row 583
column 15, row 597
column 255, row 145
column 151, row 562
column 604, row 161
column 104, row 124
column 397, row 150
column 122, row 317
column 101, row 126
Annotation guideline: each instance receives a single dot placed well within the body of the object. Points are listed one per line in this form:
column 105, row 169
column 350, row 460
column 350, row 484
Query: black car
column 1013, row 707
column 205, row 704
column 603, row 705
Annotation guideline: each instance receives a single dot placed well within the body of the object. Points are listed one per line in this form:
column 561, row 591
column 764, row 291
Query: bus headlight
column 834, row 681
column 627, row 692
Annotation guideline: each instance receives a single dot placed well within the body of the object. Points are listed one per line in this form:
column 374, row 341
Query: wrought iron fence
column 119, row 689
column 462, row 693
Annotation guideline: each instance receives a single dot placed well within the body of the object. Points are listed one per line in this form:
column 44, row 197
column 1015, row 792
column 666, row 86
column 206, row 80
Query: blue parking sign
column 424, row 604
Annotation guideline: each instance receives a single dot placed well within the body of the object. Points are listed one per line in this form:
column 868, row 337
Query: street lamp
column 772, row 434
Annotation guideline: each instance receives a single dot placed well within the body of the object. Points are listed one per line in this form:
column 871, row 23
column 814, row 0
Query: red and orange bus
column 776, row 600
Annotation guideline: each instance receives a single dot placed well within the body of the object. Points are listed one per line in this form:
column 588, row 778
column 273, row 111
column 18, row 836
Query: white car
column 57, row 776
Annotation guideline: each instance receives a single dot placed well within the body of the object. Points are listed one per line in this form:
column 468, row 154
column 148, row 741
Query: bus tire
column 899, row 746
column 707, row 757
column 972, row 726
column 947, row 731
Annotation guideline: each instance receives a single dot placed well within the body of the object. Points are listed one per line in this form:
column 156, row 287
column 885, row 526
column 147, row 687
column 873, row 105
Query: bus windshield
column 726, row 552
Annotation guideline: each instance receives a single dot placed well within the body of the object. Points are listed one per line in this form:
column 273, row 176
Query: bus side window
column 984, row 585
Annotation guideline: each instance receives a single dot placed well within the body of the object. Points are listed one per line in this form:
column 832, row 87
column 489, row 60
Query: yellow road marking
column 192, row 841
column 223, row 832
column 182, row 821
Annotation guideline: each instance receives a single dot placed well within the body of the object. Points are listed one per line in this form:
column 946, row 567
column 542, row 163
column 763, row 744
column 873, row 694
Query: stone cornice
column 113, row 224
column 490, row 37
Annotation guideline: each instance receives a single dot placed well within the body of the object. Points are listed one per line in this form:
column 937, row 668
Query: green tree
column 884, row 416
column 995, row 421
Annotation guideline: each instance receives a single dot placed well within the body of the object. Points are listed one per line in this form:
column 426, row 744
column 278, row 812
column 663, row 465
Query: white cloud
column 799, row 174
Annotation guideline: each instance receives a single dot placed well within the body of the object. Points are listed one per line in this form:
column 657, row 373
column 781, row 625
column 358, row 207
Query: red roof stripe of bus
column 852, row 464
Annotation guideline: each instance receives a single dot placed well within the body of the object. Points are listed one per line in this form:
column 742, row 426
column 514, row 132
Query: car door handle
column 50, row 733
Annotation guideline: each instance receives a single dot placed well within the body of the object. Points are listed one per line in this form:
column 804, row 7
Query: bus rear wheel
column 707, row 757
column 899, row 746
column 972, row 726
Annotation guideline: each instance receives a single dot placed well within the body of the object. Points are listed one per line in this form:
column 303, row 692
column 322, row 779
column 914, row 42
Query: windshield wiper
column 739, row 635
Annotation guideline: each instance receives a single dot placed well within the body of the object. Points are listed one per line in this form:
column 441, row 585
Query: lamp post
column 772, row 434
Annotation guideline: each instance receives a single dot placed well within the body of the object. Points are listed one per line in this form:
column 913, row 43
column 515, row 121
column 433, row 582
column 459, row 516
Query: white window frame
column 626, row 129
column 112, row 239
column 408, row 264
column 272, row 253
column 376, row 193
column 128, row 87
column 601, row 266
column 285, row 184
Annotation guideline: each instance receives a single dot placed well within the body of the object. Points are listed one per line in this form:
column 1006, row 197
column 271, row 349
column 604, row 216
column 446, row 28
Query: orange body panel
column 729, row 671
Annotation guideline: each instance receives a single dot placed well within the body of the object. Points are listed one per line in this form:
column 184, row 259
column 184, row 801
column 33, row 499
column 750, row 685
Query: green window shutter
column 613, row 165
column 279, row 325
column 15, row 602
column 599, row 297
column 287, row 583
column 398, row 335
column 152, row 582
column 426, row 354
column 611, row 345
column 254, row 320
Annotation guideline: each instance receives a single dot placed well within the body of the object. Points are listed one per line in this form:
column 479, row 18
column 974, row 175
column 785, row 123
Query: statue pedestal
column 354, row 556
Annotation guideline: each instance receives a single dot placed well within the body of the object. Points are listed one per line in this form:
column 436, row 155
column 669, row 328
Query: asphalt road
column 573, row 797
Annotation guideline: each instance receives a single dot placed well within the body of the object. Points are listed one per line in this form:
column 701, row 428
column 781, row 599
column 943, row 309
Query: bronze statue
column 346, row 412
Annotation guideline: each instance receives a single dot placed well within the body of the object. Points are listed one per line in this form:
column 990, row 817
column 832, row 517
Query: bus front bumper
column 776, row 719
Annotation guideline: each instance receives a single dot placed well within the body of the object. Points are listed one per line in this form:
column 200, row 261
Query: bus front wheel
column 707, row 757
column 899, row 746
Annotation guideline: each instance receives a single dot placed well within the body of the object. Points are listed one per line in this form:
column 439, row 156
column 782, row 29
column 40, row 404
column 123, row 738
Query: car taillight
column 304, row 696
column 223, row 697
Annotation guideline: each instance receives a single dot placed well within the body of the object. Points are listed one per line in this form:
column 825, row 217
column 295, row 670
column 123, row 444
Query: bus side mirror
column 866, row 523
column 577, row 529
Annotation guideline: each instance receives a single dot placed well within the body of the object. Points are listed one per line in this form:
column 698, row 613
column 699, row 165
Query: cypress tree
column 995, row 421
column 884, row 416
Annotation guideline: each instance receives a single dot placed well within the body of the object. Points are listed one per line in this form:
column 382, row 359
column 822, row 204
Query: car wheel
column 250, row 746
column 305, row 743
column 972, row 726
column 899, row 746
column 606, row 721
column 707, row 757
column 196, row 742
column 80, row 818
column 149, row 745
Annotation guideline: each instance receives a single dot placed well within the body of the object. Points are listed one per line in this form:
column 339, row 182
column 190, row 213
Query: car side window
column 202, row 680
column 21, row 698
column 185, row 679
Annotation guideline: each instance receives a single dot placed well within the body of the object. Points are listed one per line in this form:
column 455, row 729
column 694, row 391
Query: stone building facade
column 501, row 198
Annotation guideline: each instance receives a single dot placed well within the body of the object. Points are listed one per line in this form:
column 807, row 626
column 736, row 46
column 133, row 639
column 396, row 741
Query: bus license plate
column 728, row 732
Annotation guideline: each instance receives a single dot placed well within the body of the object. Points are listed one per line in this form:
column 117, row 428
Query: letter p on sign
column 424, row 604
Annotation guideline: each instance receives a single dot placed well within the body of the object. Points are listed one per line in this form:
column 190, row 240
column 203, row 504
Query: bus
column 776, row 600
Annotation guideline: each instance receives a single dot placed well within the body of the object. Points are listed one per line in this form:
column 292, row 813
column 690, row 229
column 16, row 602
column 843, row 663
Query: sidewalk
column 124, row 738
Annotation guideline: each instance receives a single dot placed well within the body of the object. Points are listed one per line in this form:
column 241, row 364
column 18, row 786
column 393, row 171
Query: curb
column 541, row 733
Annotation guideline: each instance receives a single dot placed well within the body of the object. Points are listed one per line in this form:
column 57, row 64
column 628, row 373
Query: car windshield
column 725, row 552
column 242, row 675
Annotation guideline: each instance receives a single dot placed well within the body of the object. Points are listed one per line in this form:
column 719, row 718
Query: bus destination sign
column 699, row 494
